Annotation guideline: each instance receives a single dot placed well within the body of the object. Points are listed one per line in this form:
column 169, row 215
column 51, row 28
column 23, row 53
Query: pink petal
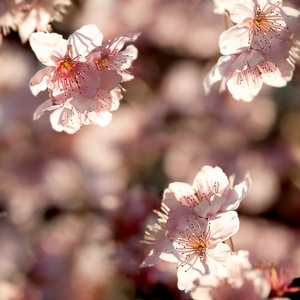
column 85, row 39
column 242, row 11
column 273, row 49
column 208, row 177
column 36, row 18
column 43, row 45
column 238, row 193
column 126, row 37
column 47, row 105
column 84, row 105
column 252, row 58
column 63, row 119
column 109, row 79
column 277, row 75
column 204, row 209
column 38, row 82
column 224, row 225
column 245, row 89
column 218, row 72
column 187, row 276
column 182, row 193
column 216, row 259
column 234, row 40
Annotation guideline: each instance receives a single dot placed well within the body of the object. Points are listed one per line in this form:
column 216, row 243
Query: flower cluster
column 25, row 16
column 194, row 225
column 260, row 48
column 81, row 75
column 192, row 229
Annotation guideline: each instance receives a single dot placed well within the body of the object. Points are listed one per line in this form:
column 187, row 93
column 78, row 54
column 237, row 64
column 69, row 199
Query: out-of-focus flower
column 212, row 192
column 244, row 74
column 155, row 236
column 243, row 282
column 280, row 279
column 39, row 13
column 221, row 6
column 262, row 25
column 10, row 17
column 26, row 16
column 111, row 56
column 195, row 243
column 79, row 94
column 10, row 291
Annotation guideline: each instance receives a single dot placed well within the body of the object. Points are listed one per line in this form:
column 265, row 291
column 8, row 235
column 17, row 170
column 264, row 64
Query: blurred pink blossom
column 221, row 6
column 280, row 278
column 38, row 15
column 26, row 16
column 243, row 282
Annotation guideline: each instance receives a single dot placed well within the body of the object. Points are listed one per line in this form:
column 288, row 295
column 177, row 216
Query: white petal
column 38, row 82
column 217, row 73
column 180, row 192
column 47, row 105
column 44, row 44
column 187, row 275
column 85, row 39
column 234, row 40
column 224, row 225
column 242, row 11
column 235, row 195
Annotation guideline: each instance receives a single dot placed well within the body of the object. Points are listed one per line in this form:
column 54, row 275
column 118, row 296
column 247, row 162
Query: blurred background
column 74, row 207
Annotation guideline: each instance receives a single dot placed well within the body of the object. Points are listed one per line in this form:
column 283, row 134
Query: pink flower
column 196, row 244
column 280, row 279
column 11, row 16
column 260, row 25
column 67, row 75
column 70, row 115
column 26, row 16
column 79, row 95
column 242, row 282
column 155, row 235
column 38, row 14
column 221, row 6
column 244, row 74
column 111, row 56
column 212, row 192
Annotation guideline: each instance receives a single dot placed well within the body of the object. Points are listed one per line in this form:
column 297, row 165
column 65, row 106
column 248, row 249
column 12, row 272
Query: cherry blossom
column 111, row 56
column 79, row 95
column 244, row 74
column 221, row 6
column 242, row 282
column 39, row 13
column 263, row 25
column 11, row 16
column 70, row 115
column 26, row 16
column 196, row 244
column 67, row 75
column 212, row 192
column 155, row 235
column 280, row 279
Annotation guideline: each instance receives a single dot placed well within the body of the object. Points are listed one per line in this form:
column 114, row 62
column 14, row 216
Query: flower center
column 191, row 244
column 68, row 74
